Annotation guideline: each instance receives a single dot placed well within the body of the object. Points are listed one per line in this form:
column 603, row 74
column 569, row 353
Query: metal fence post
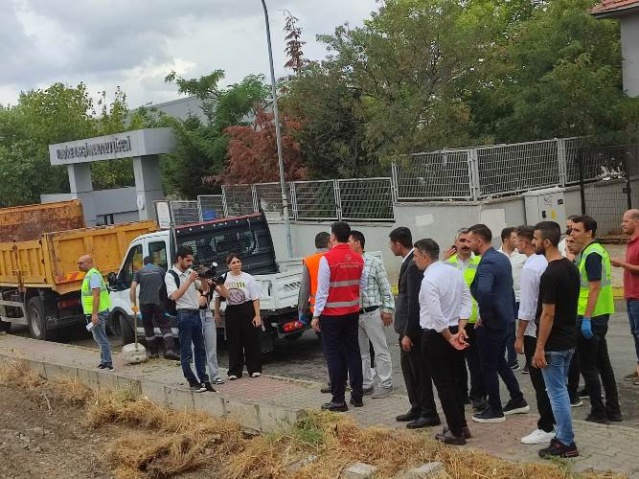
column 394, row 187
column 338, row 204
column 293, row 199
column 473, row 174
column 561, row 162
column 224, row 203
column 582, row 186
column 256, row 200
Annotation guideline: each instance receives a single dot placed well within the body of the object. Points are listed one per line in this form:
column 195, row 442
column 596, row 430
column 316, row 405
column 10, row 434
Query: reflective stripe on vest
column 469, row 273
column 346, row 271
column 605, row 301
column 87, row 293
column 312, row 263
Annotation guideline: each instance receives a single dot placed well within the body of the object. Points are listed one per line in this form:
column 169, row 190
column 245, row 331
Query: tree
column 294, row 43
column 252, row 152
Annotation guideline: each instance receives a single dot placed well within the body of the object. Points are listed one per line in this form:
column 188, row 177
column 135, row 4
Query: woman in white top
column 243, row 322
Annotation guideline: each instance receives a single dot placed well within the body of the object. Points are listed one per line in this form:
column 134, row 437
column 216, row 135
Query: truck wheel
column 5, row 327
column 126, row 330
column 38, row 327
column 294, row 337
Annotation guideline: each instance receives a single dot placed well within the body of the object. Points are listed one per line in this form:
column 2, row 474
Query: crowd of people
column 463, row 316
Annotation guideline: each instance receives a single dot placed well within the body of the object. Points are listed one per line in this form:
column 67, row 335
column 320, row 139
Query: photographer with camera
column 243, row 321
column 182, row 285
column 209, row 325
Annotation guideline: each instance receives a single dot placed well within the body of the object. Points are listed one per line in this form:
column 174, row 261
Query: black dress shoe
column 614, row 416
column 171, row 355
column 424, row 421
column 409, row 416
column 326, row 389
column 447, row 437
column 356, row 402
column 335, row 406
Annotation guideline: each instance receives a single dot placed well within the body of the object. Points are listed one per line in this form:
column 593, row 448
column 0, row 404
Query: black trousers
column 417, row 378
column 574, row 372
column 243, row 339
column 477, row 390
column 546, row 421
column 154, row 314
column 341, row 348
column 447, row 376
column 595, row 363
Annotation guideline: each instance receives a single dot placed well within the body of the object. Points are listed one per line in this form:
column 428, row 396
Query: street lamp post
column 278, row 135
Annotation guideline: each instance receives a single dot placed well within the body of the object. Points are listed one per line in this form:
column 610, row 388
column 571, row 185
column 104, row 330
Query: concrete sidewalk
column 274, row 403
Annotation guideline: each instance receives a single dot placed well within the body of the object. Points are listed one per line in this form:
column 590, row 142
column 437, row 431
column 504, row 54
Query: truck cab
column 211, row 242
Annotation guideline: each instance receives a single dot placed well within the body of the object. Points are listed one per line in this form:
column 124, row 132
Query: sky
column 134, row 44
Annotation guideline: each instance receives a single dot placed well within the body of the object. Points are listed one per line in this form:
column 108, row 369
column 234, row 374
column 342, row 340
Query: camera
column 211, row 273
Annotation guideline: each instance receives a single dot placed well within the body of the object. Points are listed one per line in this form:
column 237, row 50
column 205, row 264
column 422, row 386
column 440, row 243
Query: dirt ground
column 40, row 439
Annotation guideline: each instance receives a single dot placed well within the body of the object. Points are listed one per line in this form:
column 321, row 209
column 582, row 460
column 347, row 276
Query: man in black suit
column 419, row 385
column 492, row 288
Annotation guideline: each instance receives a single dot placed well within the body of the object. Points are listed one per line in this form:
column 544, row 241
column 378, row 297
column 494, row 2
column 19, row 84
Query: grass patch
column 163, row 443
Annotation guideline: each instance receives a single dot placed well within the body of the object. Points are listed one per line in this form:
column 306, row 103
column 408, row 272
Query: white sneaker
column 538, row 436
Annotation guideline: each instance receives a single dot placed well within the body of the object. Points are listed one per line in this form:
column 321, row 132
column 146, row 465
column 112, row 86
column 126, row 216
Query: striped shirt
column 378, row 290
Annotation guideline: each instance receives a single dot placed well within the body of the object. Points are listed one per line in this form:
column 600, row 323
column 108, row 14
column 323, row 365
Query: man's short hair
column 403, row 236
column 550, row 231
column 359, row 237
column 461, row 231
column 183, row 252
column 428, row 247
column 147, row 260
column 482, row 231
column 590, row 224
column 506, row 232
column 322, row 239
column 341, row 230
column 526, row 232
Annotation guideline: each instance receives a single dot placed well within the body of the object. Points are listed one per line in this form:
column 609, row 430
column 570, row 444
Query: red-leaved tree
column 252, row 152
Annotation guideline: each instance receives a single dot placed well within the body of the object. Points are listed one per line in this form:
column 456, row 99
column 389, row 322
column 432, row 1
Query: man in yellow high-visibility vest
column 461, row 257
column 95, row 305
column 594, row 308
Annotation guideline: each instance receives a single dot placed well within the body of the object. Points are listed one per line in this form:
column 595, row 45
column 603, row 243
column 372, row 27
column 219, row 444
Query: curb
column 265, row 418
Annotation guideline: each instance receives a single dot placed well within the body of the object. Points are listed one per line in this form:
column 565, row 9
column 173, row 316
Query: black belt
column 370, row 309
column 189, row 310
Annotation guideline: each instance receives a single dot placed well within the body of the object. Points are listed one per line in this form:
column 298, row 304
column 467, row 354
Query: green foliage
column 57, row 114
column 202, row 145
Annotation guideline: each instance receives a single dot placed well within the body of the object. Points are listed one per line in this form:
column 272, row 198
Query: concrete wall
column 630, row 53
column 439, row 221
column 119, row 202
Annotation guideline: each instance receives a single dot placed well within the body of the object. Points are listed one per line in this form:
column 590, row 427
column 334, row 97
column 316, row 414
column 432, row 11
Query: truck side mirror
column 112, row 279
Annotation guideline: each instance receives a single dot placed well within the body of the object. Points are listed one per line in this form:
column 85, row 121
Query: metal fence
column 184, row 212
column 471, row 174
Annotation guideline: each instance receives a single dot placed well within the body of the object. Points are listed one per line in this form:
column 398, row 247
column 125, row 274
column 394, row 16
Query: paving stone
column 358, row 470
column 300, row 463
column 430, row 470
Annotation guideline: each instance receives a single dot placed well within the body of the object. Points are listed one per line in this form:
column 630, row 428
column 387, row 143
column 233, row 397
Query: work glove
column 586, row 328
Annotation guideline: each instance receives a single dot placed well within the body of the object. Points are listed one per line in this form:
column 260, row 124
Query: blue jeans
column 100, row 337
column 209, row 328
column 190, row 334
column 555, row 376
column 633, row 317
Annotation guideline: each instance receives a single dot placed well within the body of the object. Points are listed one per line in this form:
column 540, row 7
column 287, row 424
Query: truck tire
column 293, row 337
column 38, row 327
column 5, row 327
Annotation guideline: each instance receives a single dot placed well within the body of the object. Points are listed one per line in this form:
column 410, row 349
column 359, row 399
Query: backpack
column 168, row 303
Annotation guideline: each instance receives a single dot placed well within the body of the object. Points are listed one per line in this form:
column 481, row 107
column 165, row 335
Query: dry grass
column 164, row 443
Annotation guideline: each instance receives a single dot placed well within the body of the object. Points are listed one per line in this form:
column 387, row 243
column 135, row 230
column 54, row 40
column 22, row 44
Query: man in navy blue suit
column 492, row 288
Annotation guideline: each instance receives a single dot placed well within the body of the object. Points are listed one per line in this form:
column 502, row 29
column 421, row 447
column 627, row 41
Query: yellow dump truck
column 39, row 249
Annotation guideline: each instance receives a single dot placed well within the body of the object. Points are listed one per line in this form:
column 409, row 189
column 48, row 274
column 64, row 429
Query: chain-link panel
column 366, row 199
column 440, row 175
column 184, row 212
column 211, row 207
column 314, row 200
column 269, row 198
column 510, row 169
column 239, row 200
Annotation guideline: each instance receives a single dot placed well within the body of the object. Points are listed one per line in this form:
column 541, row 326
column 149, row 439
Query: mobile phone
column 89, row 326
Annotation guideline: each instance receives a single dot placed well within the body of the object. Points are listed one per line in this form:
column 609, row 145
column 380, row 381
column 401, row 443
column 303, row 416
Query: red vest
column 346, row 270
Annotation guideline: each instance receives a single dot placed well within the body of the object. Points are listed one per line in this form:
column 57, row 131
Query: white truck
column 211, row 242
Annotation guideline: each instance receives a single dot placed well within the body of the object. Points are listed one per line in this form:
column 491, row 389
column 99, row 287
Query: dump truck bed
column 51, row 261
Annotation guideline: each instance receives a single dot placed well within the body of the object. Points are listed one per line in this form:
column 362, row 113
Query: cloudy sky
column 135, row 43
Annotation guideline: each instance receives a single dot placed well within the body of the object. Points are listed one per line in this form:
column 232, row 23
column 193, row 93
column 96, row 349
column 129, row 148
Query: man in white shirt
column 526, row 341
column 509, row 248
column 444, row 308
column 181, row 287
